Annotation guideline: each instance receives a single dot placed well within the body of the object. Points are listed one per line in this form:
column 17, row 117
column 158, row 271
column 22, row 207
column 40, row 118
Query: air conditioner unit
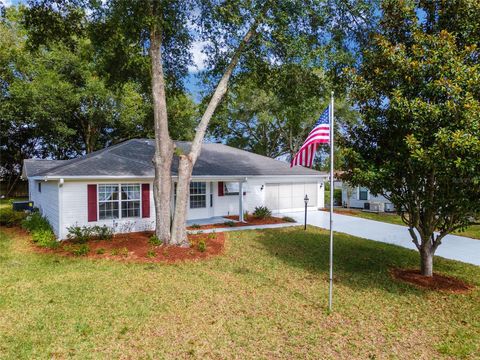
column 389, row 207
column 366, row 206
column 374, row 207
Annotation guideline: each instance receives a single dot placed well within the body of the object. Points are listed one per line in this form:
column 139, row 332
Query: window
column 39, row 187
column 231, row 188
column 130, row 200
column 198, row 195
column 363, row 193
column 108, row 201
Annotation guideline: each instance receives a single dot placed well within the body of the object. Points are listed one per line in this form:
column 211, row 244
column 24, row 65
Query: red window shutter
column 145, row 200
column 92, row 202
column 220, row 188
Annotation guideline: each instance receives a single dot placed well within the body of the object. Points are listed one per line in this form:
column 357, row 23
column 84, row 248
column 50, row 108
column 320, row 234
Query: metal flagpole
column 330, row 290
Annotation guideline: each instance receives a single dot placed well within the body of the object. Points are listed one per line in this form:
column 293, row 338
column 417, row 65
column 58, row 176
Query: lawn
column 264, row 298
column 471, row 232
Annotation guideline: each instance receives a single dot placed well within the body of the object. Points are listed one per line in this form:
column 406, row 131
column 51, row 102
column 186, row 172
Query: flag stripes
column 319, row 135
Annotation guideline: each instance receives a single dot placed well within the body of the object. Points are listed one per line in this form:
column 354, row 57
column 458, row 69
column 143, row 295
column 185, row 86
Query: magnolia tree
column 418, row 140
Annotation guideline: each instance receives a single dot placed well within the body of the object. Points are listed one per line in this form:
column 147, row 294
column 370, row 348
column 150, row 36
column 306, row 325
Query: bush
column 202, row 245
column 288, row 219
column 45, row 238
column 154, row 240
column 100, row 251
column 262, row 212
column 195, row 226
column 10, row 218
column 42, row 233
column 102, row 232
column 35, row 221
column 79, row 234
column 229, row 223
column 81, row 250
column 82, row 234
column 151, row 254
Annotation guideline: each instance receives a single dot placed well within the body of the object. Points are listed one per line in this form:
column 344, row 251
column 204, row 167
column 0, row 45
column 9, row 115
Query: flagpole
column 330, row 290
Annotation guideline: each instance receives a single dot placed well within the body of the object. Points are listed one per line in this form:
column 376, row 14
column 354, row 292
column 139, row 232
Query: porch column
column 240, row 201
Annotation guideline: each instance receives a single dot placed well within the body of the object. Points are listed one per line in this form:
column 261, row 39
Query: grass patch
column 471, row 231
column 265, row 298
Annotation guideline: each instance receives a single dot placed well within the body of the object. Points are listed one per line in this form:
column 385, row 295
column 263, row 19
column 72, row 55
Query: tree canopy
column 418, row 140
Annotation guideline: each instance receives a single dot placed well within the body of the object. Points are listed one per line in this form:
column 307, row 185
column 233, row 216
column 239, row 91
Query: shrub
column 151, row 254
column 202, row 245
column 45, row 238
column 154, row 240
column 262, row 212
column 81, row 250
column 9, row 218
column 123, row 252
column 42, row 233
column 195, row 226
column 229, row 223
column 35, row 221
column 82, row 234
column 102, row 232
column 79, row 234
column 288, row 219
column 100, row 251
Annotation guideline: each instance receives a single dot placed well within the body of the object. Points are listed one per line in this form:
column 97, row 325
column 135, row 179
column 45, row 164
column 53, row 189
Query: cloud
column 198, row 56
column 6, row 3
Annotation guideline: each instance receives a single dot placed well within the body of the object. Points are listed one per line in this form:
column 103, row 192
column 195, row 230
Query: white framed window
column 108, row 204
column 231, row 188
column 198, row 195
column 118, row 201
column 130, row 202
column 362, row 193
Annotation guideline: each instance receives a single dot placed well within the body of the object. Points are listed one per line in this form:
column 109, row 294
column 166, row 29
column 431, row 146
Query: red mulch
column 249, row 220
column 135, row 247
column 437, row 282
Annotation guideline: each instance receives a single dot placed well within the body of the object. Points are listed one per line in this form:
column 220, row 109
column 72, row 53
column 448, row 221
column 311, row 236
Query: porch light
column 306, row 199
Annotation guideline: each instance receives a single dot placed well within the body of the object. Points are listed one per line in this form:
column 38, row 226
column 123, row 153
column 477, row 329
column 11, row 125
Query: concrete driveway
column 453, row 247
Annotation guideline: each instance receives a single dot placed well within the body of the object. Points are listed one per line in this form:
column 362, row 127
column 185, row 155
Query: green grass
column 471, row 232
column 265, row 297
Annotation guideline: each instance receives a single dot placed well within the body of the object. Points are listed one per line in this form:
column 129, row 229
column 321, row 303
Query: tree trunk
column 426, row 260
column 164, row 146
column 179, row 231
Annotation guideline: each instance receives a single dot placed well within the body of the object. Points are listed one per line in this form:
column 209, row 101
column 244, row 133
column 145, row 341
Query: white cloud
column 6, row 3
column 198, row 56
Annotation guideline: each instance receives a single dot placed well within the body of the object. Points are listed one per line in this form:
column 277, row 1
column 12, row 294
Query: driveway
column 453, row 247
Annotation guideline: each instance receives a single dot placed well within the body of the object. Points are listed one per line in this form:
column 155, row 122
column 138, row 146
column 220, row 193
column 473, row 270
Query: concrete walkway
column 453, row 247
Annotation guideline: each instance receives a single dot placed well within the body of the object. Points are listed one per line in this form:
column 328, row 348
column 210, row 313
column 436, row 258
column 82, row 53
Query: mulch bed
column 249, row 221
column 437, row 282
column 134, row 247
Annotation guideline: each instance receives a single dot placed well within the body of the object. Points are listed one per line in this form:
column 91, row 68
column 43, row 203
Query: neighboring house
column 113, row 186
column 361, row 198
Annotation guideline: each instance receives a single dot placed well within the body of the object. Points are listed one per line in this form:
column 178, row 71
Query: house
column 113, row 186
column 361, row 198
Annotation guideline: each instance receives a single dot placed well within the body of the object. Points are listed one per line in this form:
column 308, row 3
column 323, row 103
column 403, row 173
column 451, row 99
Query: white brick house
column 114, row 186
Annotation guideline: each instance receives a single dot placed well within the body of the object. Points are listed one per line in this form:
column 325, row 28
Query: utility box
column 22, row 205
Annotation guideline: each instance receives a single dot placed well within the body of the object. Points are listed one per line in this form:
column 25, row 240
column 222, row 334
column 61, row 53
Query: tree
column 237, row 34
column 54, row 101
column 418, row 140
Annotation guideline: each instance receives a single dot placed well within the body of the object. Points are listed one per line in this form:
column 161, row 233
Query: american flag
column 319, row 135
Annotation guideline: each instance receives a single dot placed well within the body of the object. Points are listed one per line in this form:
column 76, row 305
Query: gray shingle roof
column 134, row 158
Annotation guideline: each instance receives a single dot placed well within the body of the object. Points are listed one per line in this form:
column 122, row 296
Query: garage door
column 289, row 196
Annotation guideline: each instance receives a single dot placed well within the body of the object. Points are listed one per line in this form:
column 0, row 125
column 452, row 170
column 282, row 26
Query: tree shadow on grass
column 358, row 263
